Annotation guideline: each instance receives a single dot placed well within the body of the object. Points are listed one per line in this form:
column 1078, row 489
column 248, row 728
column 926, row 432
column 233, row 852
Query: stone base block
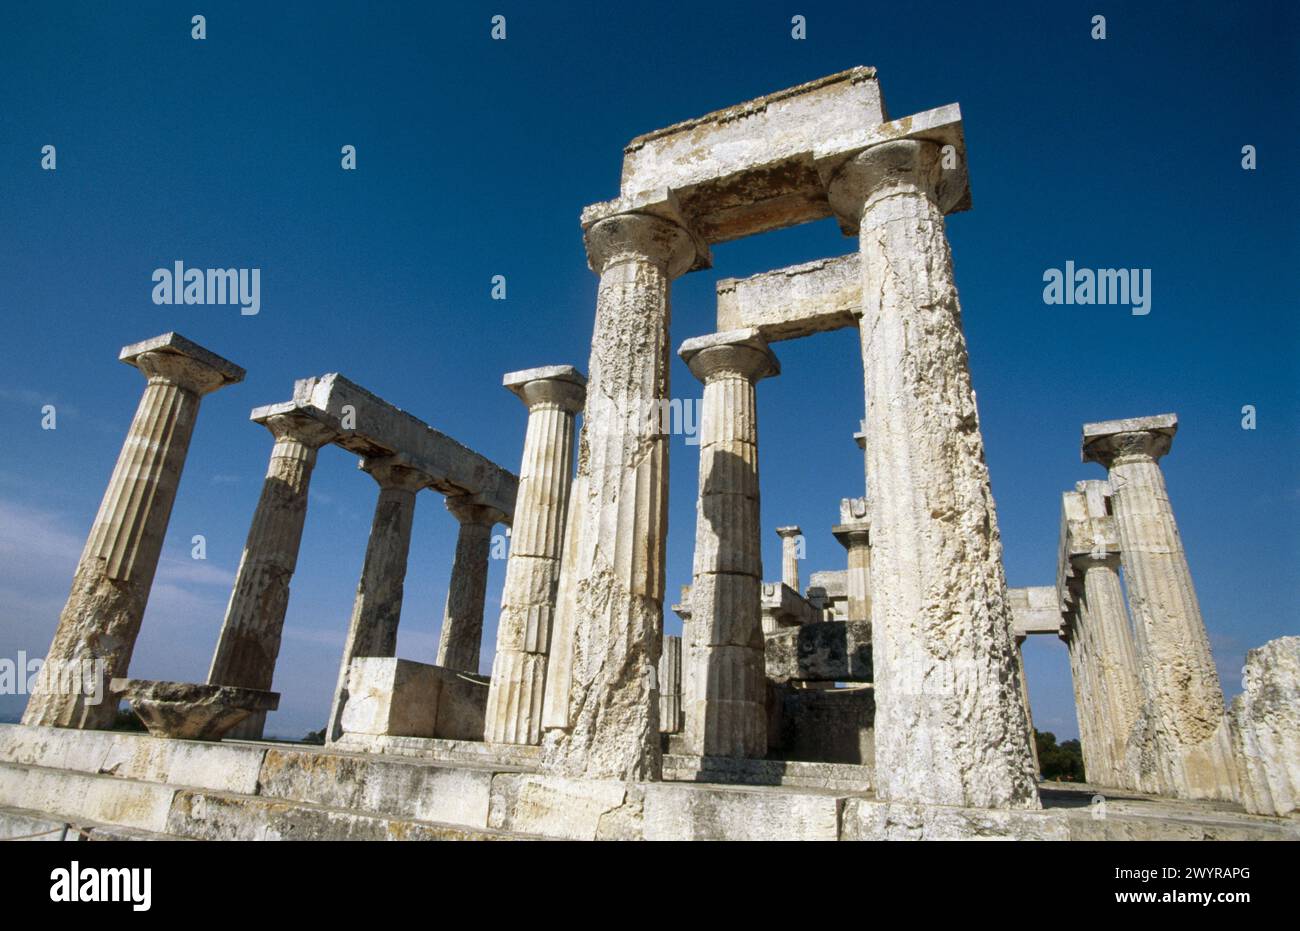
column 822, row 725
column 829, row 651
column 390, row 697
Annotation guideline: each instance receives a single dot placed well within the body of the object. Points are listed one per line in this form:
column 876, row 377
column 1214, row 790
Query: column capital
column 561, row 385
column 791, row 531
column 392, row 474
column 901, row 165
column 740, row 352
column 174, row 360
column 628, row 237
column 295, row 425
column 1135, row 439
column 468, row 511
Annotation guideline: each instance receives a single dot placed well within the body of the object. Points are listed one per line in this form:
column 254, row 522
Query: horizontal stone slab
column 827, row 651
column 793, row 302
column 231, row 767
column 1034, row 610
column 683, row 811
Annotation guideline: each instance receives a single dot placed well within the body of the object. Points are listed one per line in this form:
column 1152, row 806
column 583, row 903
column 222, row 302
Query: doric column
column 726, row 711
column 790, row 537
column 1180, row 678
column 950, row 728
column 854, row 533
column 461, row 639
column 1088, row 698
column 250, row 634
column 606, row 697
column 554, row 395
column 670, row 686
column 101, row 619
column 1116, row 661
column 378, row 605
column 1024, row 698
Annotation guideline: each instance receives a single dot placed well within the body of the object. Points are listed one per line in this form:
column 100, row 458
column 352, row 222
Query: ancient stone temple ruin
column 884, row 699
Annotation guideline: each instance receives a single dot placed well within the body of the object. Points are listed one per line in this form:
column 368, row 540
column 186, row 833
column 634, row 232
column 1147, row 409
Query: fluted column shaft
column 1088, row 697
column 514, row 707
column 1024, row 699
column 726, row 711
column 249, row 642
column 1180, row 680
column 790, row 537
column 605, row 694
column 101, row 620
column 1116, row 663
column 950, row 728
column 377, row 608
column 670, row 686
column 461, row 640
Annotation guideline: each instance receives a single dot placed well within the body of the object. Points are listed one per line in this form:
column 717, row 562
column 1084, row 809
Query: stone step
column 843, row 777
column 17, row 824
column 121, row 808
column 411, row 787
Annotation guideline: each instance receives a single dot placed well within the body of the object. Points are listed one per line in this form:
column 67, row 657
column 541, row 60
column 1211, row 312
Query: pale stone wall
column 1266, row 729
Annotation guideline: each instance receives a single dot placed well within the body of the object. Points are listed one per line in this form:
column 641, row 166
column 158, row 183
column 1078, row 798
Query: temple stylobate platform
column 887, row 699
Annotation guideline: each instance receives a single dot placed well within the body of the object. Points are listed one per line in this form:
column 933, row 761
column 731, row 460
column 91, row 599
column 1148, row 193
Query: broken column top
column 1099, row 438
column 765, row 164
column 176, row 344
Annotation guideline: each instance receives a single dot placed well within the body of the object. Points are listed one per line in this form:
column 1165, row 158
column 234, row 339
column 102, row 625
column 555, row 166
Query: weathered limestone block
column 670, row 686
column 601, row 692
column 726, row 711
column 822, row 725
column 390, row 697
column 1180, row 679
column 191, row 710
column 250, row 633
column 854, row 534
column 682, row 811
column 574, row 809
column 1266, row 729
column 461, row 639
column 100, row 622
column 377, row 609
column 829, row 651
column 950, row 725
column 794, row 302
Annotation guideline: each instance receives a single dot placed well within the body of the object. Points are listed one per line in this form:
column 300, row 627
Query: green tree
column 1061, row 762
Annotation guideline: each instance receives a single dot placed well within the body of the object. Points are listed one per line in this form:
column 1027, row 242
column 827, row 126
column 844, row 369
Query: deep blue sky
column 475, row 158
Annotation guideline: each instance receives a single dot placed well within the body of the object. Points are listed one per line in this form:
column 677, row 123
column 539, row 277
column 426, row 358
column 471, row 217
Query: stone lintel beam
column 827, row 651
column 793, row 302
column 1034, row 611
column 765, row 164
column 373, row 428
